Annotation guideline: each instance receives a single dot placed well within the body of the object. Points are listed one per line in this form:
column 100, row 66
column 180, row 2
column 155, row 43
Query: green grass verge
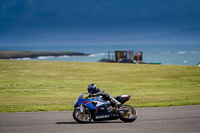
column 52, row 85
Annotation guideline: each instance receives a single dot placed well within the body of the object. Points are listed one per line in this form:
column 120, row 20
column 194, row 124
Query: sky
column 99, row 22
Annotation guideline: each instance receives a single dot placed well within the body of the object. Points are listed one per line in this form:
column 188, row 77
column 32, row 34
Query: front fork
column 82, row 109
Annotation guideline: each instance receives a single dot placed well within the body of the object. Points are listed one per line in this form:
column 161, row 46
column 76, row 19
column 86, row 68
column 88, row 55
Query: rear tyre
column 129, row 114
column 82, row 117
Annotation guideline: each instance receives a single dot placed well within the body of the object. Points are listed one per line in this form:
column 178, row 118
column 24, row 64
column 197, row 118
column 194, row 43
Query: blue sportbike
column 97, row 109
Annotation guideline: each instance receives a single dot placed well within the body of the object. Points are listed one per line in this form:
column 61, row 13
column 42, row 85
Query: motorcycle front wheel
column 129, row 114
column 81, row 117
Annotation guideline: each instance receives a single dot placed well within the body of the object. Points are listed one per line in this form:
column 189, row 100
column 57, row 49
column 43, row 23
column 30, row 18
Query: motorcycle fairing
column 90, row 103
column 101, row 113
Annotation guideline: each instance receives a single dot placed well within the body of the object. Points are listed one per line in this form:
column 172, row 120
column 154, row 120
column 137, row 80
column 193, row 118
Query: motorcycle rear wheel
column 81, row 117
column 129, row 115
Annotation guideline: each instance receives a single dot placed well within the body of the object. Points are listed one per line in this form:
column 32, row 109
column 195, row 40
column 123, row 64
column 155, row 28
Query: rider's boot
column 117, row 103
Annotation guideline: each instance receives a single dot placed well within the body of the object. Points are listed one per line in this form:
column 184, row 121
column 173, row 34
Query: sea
column 167, row 54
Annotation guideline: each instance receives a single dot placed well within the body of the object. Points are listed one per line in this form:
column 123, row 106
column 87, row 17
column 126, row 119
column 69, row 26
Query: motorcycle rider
column 95, row 92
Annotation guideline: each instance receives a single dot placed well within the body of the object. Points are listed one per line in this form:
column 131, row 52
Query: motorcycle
column 97, row 109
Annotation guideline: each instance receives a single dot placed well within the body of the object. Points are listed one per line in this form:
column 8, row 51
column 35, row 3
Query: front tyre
column 81, row 117
column 129, row 114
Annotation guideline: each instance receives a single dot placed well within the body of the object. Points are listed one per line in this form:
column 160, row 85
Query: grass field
column 51, row 85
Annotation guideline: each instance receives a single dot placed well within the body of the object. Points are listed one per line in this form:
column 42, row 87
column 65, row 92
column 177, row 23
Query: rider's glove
column 90, row 95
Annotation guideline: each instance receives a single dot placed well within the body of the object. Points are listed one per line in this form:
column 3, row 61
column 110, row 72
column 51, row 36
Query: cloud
column 131, row 8
column 82, row 20
column 89, row 10
column 5, row 4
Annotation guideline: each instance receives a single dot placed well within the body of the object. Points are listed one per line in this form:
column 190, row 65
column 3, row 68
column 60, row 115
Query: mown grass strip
column 53, row 85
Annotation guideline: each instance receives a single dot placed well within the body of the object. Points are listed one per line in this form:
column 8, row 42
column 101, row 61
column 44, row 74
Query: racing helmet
column 92, row 88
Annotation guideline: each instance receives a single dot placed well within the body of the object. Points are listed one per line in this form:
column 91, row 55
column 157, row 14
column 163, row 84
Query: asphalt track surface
column 181, row 119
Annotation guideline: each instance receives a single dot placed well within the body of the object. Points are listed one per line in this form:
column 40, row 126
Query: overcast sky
column 70, row 22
